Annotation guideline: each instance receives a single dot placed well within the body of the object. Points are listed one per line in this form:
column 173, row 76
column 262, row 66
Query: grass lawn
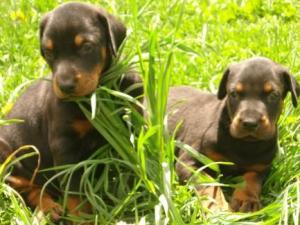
column 171, row 42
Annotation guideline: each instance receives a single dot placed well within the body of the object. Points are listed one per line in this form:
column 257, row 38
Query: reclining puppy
column 237, row 125
column 78, row 41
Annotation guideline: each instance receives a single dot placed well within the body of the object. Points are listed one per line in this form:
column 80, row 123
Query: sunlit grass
column 170, row 43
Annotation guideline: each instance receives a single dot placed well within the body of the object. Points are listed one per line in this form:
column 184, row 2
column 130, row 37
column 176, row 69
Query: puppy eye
column 48, row 54
column 273, row 96
column 87, row 48
column 233, row 94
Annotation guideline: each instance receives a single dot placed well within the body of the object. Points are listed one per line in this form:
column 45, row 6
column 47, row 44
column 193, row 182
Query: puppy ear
column 116, row 30
column 292, row 86
column 222, row 87
column 43, row 24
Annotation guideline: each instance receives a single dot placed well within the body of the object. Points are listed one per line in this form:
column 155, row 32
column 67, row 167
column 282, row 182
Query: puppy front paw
column 45, row 204
column 51, row 208
column 244, row 201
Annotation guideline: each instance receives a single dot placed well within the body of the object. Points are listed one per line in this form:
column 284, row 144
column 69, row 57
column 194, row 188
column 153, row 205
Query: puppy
column 78, row 41
column 237, row 125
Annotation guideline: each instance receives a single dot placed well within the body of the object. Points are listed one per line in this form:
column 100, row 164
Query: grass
column 171, row 42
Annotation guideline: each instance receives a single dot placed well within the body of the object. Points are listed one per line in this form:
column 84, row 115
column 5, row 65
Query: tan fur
column 82, row 127
column 78, row 40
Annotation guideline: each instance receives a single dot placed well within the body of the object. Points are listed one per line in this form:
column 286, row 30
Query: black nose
column 250, row 124
column 64, row 74
column 67, row 87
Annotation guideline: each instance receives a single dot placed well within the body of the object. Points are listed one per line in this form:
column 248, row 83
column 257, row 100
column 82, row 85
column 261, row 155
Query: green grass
column 171, row 42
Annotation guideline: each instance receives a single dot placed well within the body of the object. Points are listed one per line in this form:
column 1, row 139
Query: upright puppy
column 78, row 41
column 238, row 125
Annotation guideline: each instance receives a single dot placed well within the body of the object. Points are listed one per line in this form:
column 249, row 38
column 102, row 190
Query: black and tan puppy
column 78, row 41
column 238, row 125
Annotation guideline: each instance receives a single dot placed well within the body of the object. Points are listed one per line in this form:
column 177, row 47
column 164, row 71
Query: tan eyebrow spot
column 78, row 76
column 264, row 119
column 268, row 87
column 78, row 40
column 240, row 87
column 49, row 44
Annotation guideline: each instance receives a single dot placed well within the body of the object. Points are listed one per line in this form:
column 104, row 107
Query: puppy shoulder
column 32, row 101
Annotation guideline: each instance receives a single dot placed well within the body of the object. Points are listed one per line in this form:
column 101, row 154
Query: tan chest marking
column 82, row 127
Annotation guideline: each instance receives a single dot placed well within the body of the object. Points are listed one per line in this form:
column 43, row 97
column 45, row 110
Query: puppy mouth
column 247, row 136
column 68, row 96
column 63, row 95
column 74, row 94
column 251, row 138
column 252, row 128
column 83, row 85
column 69, row 81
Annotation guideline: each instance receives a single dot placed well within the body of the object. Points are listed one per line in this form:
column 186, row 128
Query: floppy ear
column 43, row 23
column 222, row 87
column 292, row 86
column 116, row 30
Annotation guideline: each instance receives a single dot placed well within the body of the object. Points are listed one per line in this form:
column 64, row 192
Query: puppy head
column 78, row 42
column 254, row 91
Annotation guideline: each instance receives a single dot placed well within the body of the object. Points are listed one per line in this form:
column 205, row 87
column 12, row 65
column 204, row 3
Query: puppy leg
column 65, row 151
column 35, row 198
column 246, row 199
column 212, row 197
column 5, row 150
column 185, row 165
column 75, row 207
